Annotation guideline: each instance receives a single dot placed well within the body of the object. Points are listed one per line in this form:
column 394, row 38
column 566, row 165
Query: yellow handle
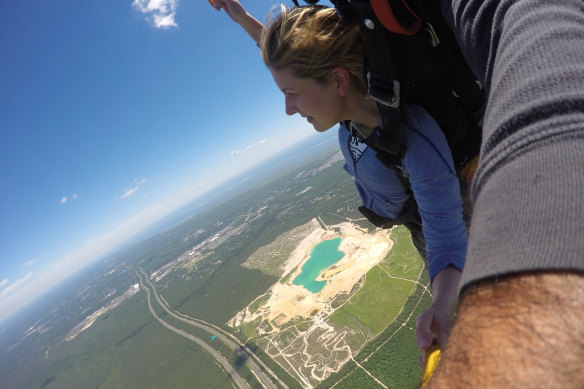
column 432, row 359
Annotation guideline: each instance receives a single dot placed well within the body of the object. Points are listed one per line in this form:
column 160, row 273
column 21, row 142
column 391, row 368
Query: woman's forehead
column 285, row 78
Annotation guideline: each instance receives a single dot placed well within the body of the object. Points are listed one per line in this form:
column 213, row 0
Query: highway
column 229, row 340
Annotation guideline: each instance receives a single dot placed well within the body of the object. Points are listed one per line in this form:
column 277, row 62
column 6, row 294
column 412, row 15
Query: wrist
column 445, row 288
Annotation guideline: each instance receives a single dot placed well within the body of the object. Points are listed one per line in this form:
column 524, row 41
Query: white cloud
column 133, row 190
column 64, row 199
column 29, row 263
column 251, row 146
column 15, row 285
column 3, row 282
column 160, row 12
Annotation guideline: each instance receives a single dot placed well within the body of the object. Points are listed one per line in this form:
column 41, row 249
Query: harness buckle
column 384, row 92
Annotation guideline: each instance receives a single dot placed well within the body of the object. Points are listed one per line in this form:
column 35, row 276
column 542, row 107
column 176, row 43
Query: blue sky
column 115, row 113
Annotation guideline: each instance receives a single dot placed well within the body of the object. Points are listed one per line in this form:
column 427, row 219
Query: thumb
column 424, row 335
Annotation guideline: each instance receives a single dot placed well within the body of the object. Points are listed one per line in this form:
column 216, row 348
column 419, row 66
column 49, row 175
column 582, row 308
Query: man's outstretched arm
column 521, row 316
column 523, row 331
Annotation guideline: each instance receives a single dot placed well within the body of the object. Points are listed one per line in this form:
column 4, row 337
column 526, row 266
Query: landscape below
column 211, row 301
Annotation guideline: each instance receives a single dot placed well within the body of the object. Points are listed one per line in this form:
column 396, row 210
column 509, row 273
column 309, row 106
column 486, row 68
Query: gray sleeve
column 529, row 188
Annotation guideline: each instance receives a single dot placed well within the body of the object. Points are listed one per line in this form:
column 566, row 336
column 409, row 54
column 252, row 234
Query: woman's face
column 318, row 102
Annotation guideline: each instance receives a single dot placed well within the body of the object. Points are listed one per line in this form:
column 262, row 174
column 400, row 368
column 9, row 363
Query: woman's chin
column 321, row 128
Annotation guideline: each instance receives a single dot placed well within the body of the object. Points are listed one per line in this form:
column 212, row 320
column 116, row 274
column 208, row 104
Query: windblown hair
column 312, row 41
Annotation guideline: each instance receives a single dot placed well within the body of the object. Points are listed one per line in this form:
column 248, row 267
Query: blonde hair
column 312, row 41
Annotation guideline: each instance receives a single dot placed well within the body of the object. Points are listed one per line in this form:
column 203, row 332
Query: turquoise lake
column 323, row 255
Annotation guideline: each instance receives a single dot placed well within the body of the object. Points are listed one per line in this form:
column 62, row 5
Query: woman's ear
column 340, row 75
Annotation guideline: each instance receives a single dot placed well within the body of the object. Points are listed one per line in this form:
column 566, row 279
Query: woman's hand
column 433, row 327
column 239, row 15
column 232, row 8
column 434, row 324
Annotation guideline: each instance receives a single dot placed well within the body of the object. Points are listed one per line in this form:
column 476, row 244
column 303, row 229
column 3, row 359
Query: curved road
column 226, row 365
column 233, row 344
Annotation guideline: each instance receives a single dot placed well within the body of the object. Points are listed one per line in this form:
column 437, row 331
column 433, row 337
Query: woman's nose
column 290, row 107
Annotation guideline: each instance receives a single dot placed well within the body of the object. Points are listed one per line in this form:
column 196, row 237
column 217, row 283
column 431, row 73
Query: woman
column 316, row 61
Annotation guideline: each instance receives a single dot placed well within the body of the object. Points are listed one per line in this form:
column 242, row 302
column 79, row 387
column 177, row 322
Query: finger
column 424, row 331
column 218, row 4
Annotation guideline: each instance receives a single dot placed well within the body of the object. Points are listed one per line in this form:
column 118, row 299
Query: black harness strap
column 381, row 73
column 393, row 162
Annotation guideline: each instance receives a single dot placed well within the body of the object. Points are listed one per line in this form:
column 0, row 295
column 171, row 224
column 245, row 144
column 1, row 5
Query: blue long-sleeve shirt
column 428, row 165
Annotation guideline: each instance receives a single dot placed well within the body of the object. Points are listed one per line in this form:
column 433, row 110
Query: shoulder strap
column 389, row 160
column 382, row 76
column 410, row 207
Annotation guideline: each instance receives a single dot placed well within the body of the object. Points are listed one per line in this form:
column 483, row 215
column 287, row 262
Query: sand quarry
column 362, row 251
